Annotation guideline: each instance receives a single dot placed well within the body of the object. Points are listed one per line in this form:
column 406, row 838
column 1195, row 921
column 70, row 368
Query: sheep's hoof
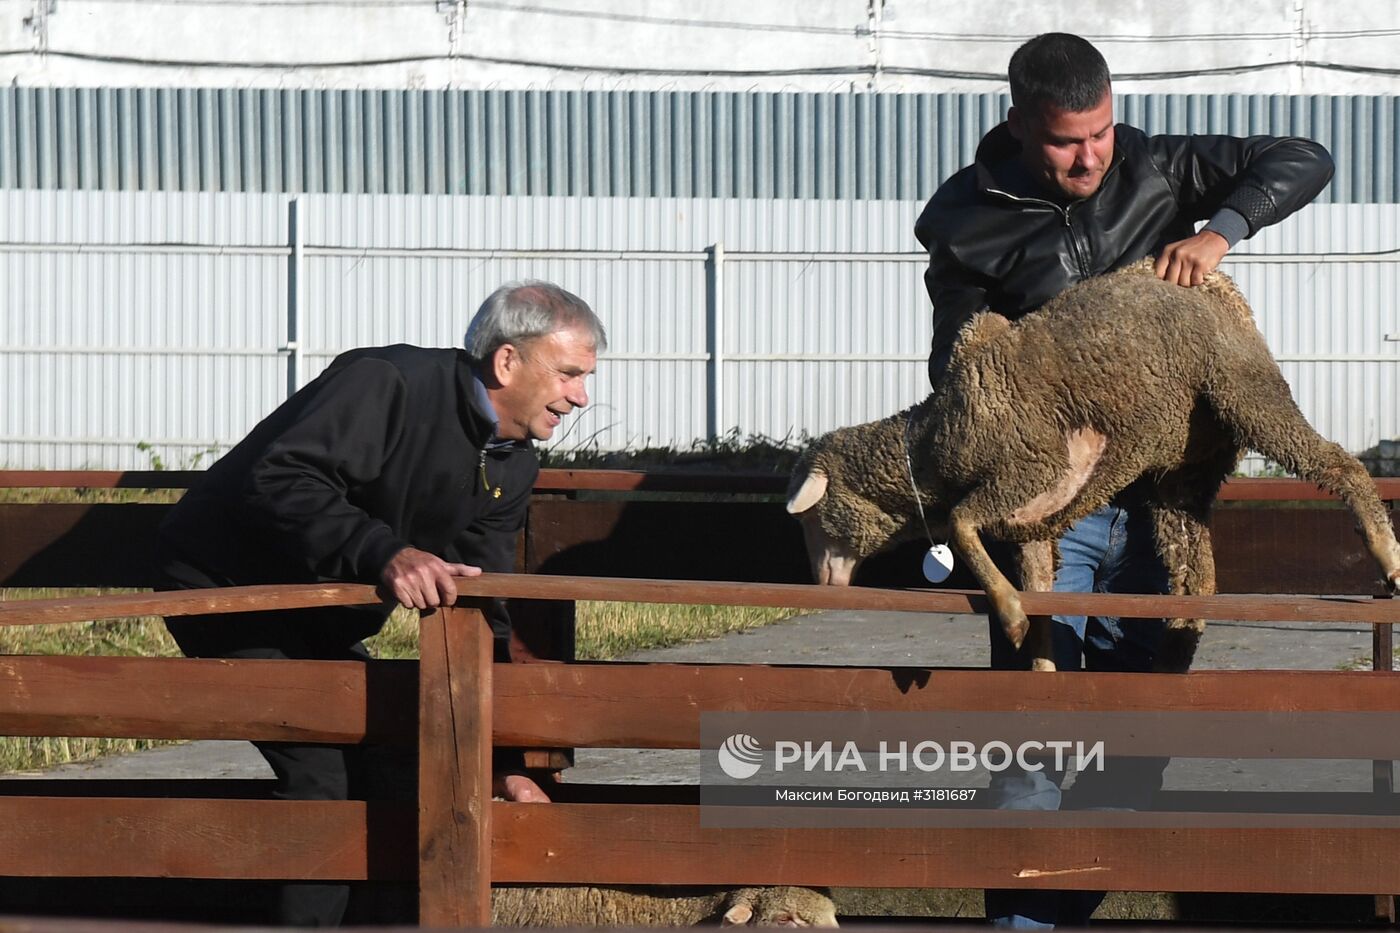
column 1015, row 626
column 1392, row 582
column 1176, row 652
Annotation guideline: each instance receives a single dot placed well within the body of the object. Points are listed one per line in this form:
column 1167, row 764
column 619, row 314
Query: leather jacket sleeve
column 1264, row 178
column 956, row 297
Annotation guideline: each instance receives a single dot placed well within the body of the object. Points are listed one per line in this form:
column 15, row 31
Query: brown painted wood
column 749, row 541
column 660, row 481
column 198, row 788
column 179, row 698
column 670, row 480
column 534, row 586
column 185, row 602
column 274, row 839
column 1259, row 489
column 112, row 545
column 562, row 705
column 548, row 759
column 78, row 544
column 607, row 844
column 1257, row 548
column 1235, row 607
column 454, row 769
column 1236, row 489
column 98, row 479
column 1299, row 550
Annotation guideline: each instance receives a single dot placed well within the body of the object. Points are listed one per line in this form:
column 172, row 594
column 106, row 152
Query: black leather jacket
column 995, row 240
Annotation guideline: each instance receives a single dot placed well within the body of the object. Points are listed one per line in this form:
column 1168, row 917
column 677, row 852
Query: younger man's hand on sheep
column 1187, row 262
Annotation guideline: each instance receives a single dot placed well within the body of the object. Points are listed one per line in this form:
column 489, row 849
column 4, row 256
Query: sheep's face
column 841, row 529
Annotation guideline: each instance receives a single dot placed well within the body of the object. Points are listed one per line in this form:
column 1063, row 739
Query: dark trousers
column 305, row 772
column 1111, row 550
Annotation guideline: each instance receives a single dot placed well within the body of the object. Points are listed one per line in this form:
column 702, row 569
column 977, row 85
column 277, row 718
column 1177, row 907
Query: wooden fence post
column 454, row 769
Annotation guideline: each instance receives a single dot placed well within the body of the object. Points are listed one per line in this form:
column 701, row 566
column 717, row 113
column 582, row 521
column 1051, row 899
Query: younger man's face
column 1068, row 152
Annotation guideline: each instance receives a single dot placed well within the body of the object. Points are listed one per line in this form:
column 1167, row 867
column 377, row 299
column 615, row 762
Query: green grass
column 729, row 453
column 89, row 494
column 609, row 629
column 605, row 630
column 145, row 637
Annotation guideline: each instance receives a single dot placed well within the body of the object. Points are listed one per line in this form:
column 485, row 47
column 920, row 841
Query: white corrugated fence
column 143, row 325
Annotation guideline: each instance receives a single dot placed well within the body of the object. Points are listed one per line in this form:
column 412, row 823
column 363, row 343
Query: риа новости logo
column 740, row 756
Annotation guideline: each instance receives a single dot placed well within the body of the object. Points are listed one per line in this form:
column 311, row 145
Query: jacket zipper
column 1064, row 215
column 481, row 466
column 1074, row 244
column 485, row 482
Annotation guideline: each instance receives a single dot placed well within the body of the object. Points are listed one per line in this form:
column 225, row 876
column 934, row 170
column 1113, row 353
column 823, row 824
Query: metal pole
column 714, row 307
column 296, row 234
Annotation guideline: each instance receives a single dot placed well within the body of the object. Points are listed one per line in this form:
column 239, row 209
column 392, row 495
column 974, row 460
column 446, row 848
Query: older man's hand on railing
column 420, row 580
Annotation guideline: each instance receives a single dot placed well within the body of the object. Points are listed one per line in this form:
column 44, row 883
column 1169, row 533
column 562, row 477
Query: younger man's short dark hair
column 1059, row 69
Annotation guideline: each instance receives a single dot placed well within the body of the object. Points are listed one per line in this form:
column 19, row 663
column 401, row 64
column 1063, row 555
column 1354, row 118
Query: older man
column 401, row 465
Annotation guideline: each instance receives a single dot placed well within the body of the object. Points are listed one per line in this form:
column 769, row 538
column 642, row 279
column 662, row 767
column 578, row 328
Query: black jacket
column 995, row 241
column 385, row 449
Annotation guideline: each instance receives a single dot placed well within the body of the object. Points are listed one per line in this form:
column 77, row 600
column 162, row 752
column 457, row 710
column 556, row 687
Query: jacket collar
column 478, row 415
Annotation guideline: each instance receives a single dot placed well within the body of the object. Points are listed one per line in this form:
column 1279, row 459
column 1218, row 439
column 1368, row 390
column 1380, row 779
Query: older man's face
column 1067, row 151
column 541, row 381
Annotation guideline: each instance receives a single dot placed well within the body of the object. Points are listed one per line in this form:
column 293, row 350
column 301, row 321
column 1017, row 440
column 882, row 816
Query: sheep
column 586, row 905
column 1038, row 423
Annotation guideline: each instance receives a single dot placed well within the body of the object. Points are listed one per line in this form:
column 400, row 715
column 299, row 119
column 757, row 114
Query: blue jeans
column 1109, row 551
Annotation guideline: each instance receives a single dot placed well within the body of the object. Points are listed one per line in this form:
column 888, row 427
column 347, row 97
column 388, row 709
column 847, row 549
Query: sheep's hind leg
column 1255, row 401
column 1006, row 603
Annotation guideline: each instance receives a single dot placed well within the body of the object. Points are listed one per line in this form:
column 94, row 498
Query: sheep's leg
column 1183, row 542
column 1035, row 567
column 1006, row 604
column 1254, row 400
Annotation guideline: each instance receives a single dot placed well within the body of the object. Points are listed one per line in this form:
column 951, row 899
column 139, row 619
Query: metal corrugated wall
column 594, row 144
column 129, row 318
column 1333, row 323
column 108, row 341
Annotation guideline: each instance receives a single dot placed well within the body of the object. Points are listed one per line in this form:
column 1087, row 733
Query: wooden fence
column 464, row 703
column 455, row 704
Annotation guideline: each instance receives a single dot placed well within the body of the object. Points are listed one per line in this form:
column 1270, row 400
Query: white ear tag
column 938, row 563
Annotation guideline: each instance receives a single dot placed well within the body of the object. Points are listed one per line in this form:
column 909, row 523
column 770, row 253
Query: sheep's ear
column 737, row 916
column 809, row 494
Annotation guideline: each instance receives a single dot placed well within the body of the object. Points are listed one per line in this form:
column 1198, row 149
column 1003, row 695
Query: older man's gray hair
column 518, row 312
